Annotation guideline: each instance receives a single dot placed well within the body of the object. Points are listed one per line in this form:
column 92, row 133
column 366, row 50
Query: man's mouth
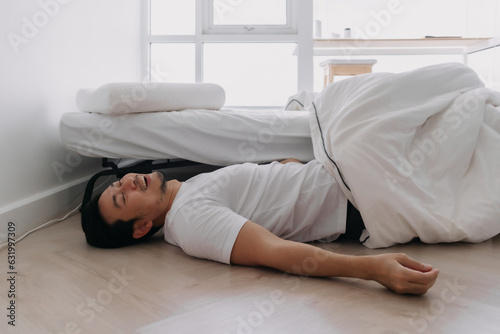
column 144, row 181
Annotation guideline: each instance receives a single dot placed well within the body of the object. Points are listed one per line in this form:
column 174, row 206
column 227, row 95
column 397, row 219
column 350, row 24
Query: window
column 256, row 16
column 259, row 51
column 174, row 61
column 172, row 17
column 256, row 12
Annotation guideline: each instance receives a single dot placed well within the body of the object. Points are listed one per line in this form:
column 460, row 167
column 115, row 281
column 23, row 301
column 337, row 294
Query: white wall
column 484, row 19
column 48, row 50
column 410, row 19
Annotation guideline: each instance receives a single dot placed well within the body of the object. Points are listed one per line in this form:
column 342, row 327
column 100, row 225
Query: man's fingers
column 424, row 278
column 406, row 275
column 418, row 282
column 420, row 277
column 416, row 289
column 410, row 263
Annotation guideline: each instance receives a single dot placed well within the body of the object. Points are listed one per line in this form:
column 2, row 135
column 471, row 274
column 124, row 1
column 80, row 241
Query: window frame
column 301, row 33
column 210, row 28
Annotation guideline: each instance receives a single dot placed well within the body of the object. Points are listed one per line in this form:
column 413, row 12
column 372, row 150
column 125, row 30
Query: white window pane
column 249, row 12
column 252, row 74
column 172, row 17
column 172, row 62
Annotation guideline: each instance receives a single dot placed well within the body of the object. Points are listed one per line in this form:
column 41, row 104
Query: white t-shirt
column 293, row 201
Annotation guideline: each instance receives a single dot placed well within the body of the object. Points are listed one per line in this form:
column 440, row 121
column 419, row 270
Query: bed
column 168, row 139
column 216, row 137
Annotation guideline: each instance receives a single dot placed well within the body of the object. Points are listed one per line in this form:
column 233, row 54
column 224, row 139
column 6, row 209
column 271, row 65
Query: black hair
column 103, row 235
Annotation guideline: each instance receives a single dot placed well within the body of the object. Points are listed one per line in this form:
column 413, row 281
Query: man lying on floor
column 249, row 214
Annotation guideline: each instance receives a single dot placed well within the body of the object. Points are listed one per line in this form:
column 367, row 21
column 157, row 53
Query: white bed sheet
column 221, row 137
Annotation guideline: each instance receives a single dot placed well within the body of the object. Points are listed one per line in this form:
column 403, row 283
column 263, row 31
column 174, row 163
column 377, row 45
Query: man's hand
column 403, row 274
column 290, row 160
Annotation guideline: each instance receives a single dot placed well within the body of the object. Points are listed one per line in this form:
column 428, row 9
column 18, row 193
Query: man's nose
column 129, row 182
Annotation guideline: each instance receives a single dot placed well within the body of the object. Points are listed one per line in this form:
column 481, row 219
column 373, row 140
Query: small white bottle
column 347, row 33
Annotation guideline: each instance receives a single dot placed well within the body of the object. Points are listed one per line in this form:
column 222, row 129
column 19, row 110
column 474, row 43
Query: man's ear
column 141, row 228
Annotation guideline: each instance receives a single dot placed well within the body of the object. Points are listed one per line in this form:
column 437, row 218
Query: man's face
column 135, row 195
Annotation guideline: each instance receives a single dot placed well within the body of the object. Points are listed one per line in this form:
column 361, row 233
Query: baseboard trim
column 35, row 210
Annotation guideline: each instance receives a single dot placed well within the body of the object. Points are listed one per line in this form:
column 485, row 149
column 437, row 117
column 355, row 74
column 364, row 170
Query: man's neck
column 173, row 187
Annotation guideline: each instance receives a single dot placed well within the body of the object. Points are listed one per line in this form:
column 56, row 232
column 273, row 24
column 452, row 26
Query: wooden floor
column 65, row 286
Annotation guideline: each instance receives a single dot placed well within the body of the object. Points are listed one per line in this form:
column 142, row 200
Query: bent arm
column 255, row 246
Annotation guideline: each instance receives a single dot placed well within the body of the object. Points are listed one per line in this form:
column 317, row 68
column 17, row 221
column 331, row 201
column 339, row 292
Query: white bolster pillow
column 129, row 97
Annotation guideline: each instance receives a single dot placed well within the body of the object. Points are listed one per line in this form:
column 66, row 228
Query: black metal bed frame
column 146, row 166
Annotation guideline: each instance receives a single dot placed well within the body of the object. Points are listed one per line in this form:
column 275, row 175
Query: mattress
column 217, row 137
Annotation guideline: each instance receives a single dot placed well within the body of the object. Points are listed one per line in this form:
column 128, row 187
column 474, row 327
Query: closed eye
column 123, row 194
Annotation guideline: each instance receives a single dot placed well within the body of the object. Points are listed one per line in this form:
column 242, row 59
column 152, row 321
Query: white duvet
column 418, row 153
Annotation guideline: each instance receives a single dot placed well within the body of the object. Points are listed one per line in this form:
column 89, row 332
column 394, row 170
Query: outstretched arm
column 255, row 246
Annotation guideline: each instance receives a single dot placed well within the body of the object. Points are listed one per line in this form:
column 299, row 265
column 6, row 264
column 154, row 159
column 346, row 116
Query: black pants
column 354, row 224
